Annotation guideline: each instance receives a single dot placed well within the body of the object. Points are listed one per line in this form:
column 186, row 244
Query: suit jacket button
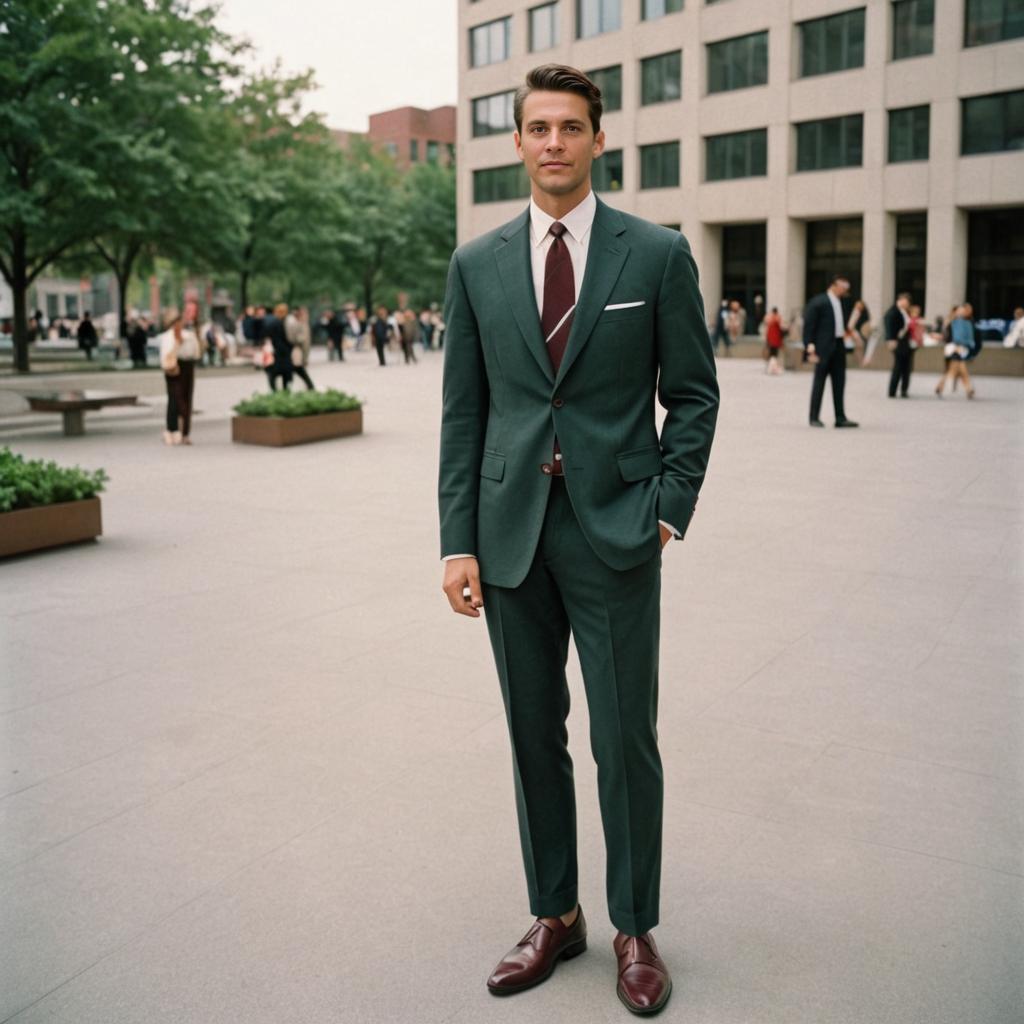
column 558, row 403
column 546, row 468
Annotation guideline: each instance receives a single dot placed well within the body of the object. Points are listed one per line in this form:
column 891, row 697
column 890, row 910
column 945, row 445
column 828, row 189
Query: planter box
column 49, row 526
column 279, row 431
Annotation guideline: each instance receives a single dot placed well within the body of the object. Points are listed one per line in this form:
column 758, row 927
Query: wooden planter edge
column 49, row 526
column 282, row 431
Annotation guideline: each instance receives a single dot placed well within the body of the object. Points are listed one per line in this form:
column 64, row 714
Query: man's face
column 841, row 287
column 557, row 145
column 903, row 302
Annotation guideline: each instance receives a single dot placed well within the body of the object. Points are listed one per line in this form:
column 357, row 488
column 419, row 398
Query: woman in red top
column 773, row 336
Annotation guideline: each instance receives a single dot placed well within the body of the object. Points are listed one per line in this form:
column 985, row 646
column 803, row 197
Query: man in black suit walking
column 825, row 320
column 897, row 338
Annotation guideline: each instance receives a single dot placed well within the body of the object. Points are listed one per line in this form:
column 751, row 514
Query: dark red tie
column 559, row 296
column 559, row 303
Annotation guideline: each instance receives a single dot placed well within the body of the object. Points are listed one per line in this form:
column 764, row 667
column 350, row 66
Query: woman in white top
column 180, row 349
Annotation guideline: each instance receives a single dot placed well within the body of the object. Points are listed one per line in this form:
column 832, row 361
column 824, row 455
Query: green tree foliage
column 128, row 134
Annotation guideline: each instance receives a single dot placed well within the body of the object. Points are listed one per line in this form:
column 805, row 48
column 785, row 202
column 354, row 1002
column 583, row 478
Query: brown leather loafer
column 534, row 957
column 644, row 982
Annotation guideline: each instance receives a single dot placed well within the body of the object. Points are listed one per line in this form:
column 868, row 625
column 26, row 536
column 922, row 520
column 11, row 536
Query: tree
column 99, row 105
column 285, row 161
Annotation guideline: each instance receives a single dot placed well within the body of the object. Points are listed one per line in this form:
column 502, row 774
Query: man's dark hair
column 837, row 277
column 558, row 78
column 905, row 295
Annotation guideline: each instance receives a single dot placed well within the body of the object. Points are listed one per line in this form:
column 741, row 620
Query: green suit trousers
column 613, row 617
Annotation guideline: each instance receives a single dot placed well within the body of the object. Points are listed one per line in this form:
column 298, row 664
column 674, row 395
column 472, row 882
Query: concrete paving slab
column 256, row 771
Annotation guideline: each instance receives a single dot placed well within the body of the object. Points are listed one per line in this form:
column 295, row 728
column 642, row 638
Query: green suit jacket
column 503, row 403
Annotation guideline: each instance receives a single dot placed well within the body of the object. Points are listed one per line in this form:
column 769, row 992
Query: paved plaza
column 254, row 771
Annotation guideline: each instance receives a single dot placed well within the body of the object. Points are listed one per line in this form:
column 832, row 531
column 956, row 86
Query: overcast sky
column 368, row 55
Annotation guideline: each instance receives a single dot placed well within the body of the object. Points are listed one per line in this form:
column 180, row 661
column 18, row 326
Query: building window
column 391, row 148
column 911, row 255
column 450, row 149
column 992, row 21
column 830, row 44
column 908, row 134
column 913, row 26
column 433, row 151
column 596, row 16
column 609, row 81
column 738, row 63
column 659, row 165
column 492, row 115
column 834, row 247
column 661, row 78
column 414, row 150
column 606, row 171
column 736, row 155
column 993, row 123
column 496, row 184
column 995, row 261
column 490, row 43
column 652, row 9
column 543, row 27
column 834, row 142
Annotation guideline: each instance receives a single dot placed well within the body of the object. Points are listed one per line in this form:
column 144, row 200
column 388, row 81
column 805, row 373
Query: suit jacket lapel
column 516, row 274
column 605, row 257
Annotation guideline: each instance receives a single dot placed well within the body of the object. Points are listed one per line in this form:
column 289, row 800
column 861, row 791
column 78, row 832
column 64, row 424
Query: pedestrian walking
column 409, row 332
column 138, row 339
column 273, row 331
column 88, row 339
column 335, row 331
column 296, row 329
column 721, row 329
column 180, row 350
column 963, row 347
column 825, row 332
column 381, row 330
column 774, row 333
column 898, row 339
column 557, row 496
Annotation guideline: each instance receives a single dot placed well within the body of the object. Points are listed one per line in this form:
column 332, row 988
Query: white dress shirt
column 837, row 312
column 578, row 222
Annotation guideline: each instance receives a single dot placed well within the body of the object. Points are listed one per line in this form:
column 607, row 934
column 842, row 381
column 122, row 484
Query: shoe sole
column 645, row 1011
column 567, row 954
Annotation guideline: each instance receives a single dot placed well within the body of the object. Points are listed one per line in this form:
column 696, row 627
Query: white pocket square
column 626, row 305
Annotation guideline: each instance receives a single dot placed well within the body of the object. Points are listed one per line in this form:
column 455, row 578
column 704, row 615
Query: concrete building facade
column 787, row 138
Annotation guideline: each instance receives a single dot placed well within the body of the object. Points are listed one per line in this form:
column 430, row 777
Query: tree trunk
column 19, row 286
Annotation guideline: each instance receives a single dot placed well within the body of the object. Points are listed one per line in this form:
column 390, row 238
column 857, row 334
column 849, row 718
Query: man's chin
column 559, row 187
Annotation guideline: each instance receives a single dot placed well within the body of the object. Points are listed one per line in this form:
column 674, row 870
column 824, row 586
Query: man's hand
column 461, row 574
column 666, row 535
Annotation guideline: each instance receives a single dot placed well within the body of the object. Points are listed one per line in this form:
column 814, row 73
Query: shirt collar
column 577, row 221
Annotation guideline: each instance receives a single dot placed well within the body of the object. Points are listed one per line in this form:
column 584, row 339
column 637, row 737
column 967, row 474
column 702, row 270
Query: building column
column 706, row 244
column 786, row 257
column 946, row 273
column 878, row 261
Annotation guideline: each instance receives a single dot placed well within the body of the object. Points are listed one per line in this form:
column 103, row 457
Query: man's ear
column 517, row 139
column 598, row 144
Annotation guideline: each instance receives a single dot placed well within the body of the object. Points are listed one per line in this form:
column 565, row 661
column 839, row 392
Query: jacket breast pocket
column 492, row 467
column 640, row 463
column 614, row 316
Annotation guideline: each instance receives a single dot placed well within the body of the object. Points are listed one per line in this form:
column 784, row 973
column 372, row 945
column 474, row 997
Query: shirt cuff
column 448, row 558
column 671, row 529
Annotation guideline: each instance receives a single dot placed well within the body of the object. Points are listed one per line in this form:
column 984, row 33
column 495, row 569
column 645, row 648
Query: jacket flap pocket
column 640, row 463
column 492, row 466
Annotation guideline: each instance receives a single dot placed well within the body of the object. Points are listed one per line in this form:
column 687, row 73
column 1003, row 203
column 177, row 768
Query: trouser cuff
column 633, row 923
column 556, row 904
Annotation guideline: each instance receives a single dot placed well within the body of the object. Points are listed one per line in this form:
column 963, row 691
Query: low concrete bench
column 73, row 405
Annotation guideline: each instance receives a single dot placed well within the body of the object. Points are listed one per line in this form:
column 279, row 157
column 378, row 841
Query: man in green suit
column 557, row 497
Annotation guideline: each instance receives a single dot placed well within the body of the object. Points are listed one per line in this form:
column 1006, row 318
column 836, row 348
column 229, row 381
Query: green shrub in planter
column 297, row 403
column 26, row 483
